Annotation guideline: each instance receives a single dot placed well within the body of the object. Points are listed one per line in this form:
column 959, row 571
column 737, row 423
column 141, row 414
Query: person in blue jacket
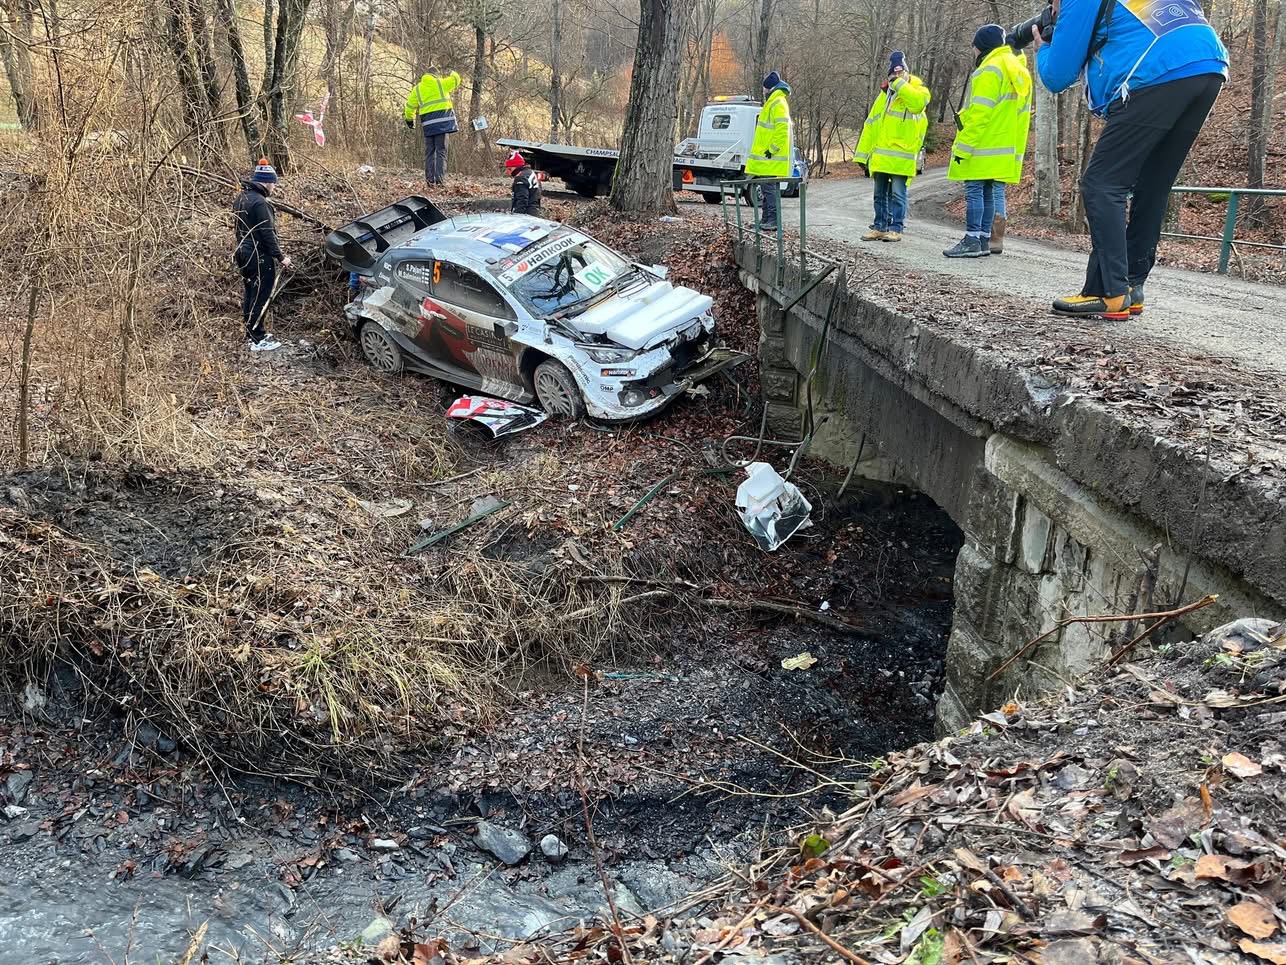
column 1152, row 69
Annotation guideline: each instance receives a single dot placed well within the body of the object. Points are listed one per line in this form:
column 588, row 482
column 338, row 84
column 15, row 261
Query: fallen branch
column 1061, row 624
column 816, row 616
column 835, row 946
column 1015, row 902
column 1164, row 619
column 280, row 205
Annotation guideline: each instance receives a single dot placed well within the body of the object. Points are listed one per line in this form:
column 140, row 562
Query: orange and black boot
column 1136, row 299
column 1114, row 309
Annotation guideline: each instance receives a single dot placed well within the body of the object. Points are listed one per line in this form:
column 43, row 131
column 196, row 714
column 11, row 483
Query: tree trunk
column 15, row 52
column 1266, row 31
column 203, row 49
column 479, row 78
column 179, row 37
column 643, row 182
column 285, row 70
column 555, row 70
column 761, row 40
column 241, row 78
column 1047, row 199
column 268, row 44
column 1083, row 150
column 337, row 24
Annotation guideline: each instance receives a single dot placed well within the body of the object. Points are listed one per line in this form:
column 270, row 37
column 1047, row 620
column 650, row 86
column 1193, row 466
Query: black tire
column 379, row 349
column 586, row 189
column 557, row 391
column 712, row 198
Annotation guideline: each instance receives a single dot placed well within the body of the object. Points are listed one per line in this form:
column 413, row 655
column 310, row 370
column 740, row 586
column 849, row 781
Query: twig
column 651, row 493
column 733, row 932
column 834, row 945
column 1164, row 619
column 1017, row 903
column 1061, row 624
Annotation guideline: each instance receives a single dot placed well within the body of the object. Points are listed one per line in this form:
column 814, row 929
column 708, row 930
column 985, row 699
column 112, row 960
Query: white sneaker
column 266, row 344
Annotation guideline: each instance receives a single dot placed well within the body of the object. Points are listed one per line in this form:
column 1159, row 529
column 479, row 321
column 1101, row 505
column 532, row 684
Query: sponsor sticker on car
column 542, row 255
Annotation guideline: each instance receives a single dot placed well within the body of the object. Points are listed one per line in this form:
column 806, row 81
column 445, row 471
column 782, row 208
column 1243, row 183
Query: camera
column 1020, row 37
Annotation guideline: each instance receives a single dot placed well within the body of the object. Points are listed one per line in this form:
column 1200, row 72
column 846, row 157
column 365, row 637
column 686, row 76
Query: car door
column 466, row 322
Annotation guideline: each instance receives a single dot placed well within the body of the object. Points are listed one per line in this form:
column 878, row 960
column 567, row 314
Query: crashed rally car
column 525, row 309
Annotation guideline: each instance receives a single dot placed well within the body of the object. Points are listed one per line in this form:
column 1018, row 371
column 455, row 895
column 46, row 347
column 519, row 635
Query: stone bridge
column 1061, row 498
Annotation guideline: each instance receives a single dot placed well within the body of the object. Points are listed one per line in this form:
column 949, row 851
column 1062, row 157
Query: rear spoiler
column 359, row 244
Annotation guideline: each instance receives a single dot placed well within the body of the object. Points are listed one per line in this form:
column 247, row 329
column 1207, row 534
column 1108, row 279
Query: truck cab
column 725, row 131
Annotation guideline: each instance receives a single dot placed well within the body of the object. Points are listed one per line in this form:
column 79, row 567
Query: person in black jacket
column 526, row 182
column 257, row 252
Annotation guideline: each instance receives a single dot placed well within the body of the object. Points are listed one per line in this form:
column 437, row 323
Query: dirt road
column 1209, row 314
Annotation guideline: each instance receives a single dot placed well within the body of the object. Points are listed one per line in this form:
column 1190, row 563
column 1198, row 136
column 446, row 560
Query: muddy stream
column 121, row 845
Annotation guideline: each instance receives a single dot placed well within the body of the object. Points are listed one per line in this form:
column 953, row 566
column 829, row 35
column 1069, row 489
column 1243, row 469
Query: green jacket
column 895, row 127
column 993, row 126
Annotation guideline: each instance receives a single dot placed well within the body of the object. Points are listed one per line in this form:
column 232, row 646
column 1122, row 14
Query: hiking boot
column 1136, row 299
column 998, row 236
column 966, row 247
column 875, row 235
column 892, row 236
column 1112, row 309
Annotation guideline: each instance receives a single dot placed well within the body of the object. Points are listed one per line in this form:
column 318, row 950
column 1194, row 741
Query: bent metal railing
column 740, row 196
column 1228, row 241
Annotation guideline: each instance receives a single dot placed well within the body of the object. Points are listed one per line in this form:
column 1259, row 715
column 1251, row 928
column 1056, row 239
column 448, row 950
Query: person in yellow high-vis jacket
column 429, row 103
column 892, row 137
column 992, row 139
column 772, row 147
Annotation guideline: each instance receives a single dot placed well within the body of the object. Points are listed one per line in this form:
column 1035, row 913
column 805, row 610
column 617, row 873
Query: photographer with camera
column 1152, row 69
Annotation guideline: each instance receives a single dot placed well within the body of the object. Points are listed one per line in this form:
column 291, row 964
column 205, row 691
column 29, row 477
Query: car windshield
column 574, row 275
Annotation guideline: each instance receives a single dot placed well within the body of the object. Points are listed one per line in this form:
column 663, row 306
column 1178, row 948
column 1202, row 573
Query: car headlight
column 609, row 355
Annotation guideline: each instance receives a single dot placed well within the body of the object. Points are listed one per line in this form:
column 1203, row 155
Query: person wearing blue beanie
column 771, row 149
column 257, row 252
column 987, row 38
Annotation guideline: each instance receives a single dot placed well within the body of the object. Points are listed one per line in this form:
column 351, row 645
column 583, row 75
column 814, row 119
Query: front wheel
column 712, row 198
column 557, row 391
column 379, row 349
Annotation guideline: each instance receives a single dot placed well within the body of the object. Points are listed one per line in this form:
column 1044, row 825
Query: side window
column 721, row 122
column 417, row 274
column 462, row 288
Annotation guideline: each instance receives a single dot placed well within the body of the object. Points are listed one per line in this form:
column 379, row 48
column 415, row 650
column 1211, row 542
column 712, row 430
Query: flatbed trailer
column 588, row 170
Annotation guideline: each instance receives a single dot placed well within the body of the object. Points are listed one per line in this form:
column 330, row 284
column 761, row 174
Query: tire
column 557, row 391
column 586, row 189
column 379, row 349
column 711, row 198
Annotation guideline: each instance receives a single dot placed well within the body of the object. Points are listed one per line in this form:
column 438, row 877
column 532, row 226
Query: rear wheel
column 380, row 350
column 557, row 391
column 586, row 189
column 712, row 198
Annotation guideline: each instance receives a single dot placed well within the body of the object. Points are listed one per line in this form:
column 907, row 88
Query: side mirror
column 506, row 329
column 660, row 271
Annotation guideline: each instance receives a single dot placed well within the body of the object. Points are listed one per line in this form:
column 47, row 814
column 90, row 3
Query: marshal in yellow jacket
column 895, row 127
column 430, row 102
column 994, row 124
column 772, row 146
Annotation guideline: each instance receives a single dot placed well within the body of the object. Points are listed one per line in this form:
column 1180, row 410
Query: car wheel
column 380, row 350
column 712, row 198
column 557, row 391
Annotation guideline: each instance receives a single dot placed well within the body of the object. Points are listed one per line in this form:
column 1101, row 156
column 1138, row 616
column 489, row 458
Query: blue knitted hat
column 897, row 59
column 772, row 80
column 265, row 173
column 989, row 37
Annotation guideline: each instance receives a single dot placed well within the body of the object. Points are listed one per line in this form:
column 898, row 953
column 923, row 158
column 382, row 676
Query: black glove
column 410, row 125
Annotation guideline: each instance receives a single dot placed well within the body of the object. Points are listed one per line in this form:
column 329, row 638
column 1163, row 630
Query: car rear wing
column 359, row 244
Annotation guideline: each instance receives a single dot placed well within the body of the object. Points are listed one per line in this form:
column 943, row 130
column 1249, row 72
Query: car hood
column 641, row 317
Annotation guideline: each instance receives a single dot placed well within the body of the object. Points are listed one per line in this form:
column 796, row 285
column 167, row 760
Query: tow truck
column 717, row 153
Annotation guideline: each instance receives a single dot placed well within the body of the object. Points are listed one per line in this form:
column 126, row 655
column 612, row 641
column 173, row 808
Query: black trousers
column 1142, row 148
column 435, row 158
column 259, row 277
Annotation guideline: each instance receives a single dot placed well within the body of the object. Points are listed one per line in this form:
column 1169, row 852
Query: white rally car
column 525, row 309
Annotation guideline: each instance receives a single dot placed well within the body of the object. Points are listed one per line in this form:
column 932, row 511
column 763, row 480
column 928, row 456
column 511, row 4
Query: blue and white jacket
column 1149, row 42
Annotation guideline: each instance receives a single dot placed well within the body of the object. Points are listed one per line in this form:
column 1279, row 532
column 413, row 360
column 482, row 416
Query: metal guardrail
column 1227, row 242
column 748, row 190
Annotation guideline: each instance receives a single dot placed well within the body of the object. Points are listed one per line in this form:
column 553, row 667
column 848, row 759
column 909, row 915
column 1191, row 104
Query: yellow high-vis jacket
column 994, row 123
column 770, row 150
column 893, row 133
column 430, row 101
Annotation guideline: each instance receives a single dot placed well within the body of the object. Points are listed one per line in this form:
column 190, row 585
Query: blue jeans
column 998, row 193
column 980, row 208
column 770, row 193
column 890, row 201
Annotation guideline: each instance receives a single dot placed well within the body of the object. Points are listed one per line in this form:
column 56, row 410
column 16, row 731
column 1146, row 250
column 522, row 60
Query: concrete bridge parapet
column 1062, row 501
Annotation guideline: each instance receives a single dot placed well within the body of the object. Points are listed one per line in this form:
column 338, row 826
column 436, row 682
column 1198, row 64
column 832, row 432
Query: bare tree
column 279, row 84
column 15, row 51
column 555, row 69
column 643, row 180
column 1047, row 198
column 246, row 107
column 1267, row 35
column 762, row 38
